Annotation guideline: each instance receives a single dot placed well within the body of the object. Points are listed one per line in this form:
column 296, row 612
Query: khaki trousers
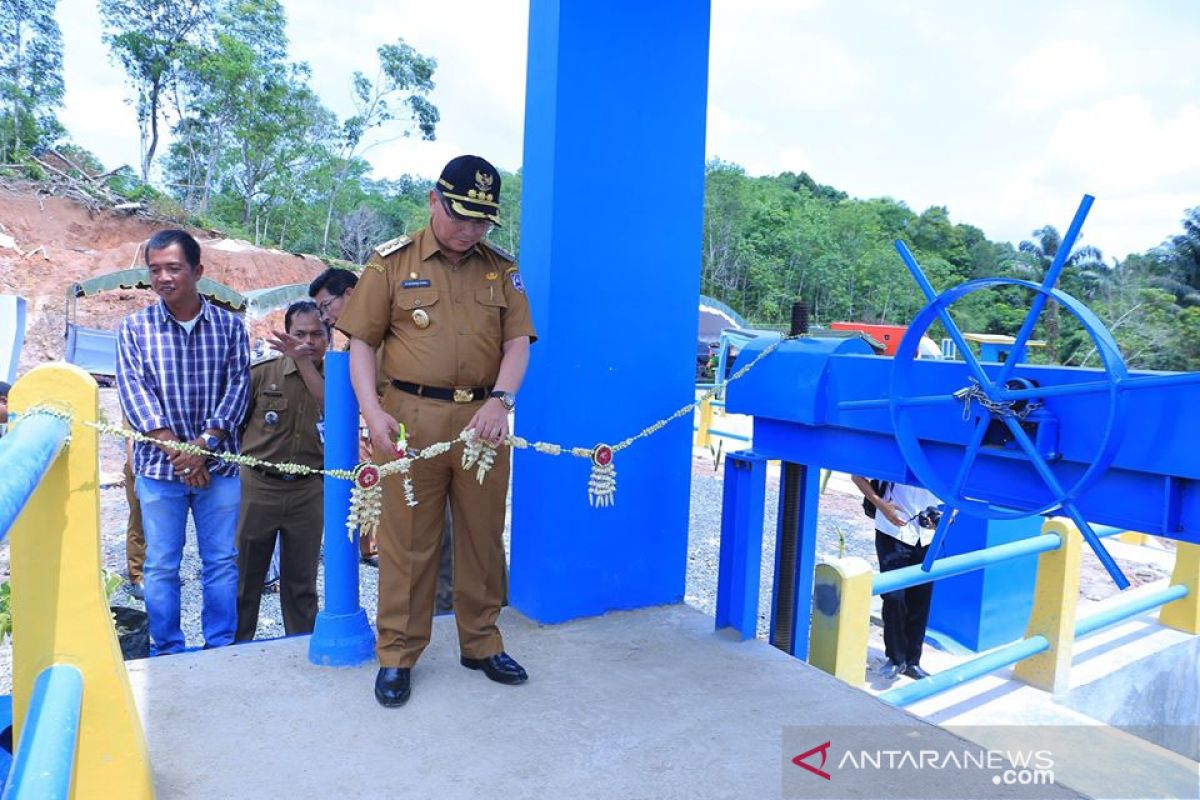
column 294, row 510
column 135, row 536
column 410, row 538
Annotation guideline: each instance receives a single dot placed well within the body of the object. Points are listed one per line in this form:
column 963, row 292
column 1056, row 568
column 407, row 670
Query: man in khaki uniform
column 450, row 313
column 331, row 290
column 283, row 426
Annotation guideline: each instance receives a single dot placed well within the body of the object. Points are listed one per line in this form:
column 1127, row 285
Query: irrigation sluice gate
column 801, row 399
column 997, row 440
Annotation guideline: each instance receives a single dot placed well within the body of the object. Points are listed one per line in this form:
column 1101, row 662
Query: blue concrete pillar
column 739, row 571
column 614, row 142
column 342, row 636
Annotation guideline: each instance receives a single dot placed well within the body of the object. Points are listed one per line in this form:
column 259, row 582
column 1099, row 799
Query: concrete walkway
column 642, row 704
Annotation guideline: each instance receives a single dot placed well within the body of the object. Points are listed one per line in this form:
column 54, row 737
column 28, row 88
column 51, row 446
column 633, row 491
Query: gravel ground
column 842, row 529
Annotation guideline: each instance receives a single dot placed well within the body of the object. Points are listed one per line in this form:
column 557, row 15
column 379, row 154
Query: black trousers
column 905, row 611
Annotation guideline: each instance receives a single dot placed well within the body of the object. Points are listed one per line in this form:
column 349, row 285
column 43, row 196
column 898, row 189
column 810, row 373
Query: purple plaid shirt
column 187, row 382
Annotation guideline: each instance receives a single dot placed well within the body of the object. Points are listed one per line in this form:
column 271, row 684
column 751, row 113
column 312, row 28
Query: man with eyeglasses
column 450, row 313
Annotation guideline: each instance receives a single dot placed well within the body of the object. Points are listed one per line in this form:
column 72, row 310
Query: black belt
column 280, row 476
column 441, row 393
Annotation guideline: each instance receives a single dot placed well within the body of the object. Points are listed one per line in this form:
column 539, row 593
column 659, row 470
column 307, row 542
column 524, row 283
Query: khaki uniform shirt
column 436, row 323
column 282, row 424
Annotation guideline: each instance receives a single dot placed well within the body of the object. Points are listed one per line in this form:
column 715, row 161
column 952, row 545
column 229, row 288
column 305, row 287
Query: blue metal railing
column 949, row 566
column 27, row 453
column 44, row 762
column 1130, row 608
column 1009, row 654
column 977, row 667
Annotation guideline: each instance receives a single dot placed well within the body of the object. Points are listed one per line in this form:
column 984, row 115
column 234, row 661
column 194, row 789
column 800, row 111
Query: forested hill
column 234, row 139
column 770, row 240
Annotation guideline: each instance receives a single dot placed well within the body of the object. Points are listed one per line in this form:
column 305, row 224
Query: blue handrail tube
column 1130, row 608
column 45, row 757
column 967, row 671
column 27, row 453
column 950, row 566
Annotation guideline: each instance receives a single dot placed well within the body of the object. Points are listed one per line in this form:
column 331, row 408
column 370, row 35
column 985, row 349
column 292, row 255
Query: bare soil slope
column 48, row 243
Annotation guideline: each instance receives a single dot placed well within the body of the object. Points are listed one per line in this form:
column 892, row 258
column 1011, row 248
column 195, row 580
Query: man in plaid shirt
column 183, row 373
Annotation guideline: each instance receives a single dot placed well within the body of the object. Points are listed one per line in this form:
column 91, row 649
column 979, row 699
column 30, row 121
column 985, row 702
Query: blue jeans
column 165, row 506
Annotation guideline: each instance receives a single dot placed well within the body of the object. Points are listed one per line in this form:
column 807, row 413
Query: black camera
column 929, row 518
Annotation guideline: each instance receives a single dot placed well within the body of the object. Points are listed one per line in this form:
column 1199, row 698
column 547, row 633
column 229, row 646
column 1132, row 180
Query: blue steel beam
column 27, row 453
column 739, row 567
column 45, row 756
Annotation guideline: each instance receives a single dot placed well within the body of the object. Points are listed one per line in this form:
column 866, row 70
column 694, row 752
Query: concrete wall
column 1156, row 698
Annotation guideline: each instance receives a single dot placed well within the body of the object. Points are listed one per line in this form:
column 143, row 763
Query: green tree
column 148, row 38
column 219, row 85
column 402, row 85
column 31, row 83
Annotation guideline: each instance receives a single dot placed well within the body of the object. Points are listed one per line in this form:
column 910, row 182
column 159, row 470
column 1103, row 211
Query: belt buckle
column 463, row 395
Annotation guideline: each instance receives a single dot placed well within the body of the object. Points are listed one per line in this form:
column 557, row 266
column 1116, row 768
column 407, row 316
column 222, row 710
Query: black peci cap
column 472, row 187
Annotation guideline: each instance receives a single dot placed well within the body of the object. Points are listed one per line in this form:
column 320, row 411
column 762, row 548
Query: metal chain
column 998, row 408
column 402, row 464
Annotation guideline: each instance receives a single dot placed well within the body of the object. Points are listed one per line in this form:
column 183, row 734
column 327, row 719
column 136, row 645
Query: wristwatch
column 211, row 443
column 507, row 398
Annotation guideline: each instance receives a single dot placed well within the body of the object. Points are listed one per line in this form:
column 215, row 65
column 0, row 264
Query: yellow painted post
column 841, row 619
column 1184, row 613
column 1055, row 598
column 1133, row 537
column 59, row 610
column 703, row 437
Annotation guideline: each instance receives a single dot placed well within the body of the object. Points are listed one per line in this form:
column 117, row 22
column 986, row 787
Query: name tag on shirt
column 419, row 283
column 321, row 430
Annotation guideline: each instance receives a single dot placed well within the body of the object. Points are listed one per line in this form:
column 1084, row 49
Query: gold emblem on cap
column 483, row 182
column 420, row 318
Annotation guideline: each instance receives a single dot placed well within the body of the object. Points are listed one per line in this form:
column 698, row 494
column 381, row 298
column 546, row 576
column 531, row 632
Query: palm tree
column 1086, row 274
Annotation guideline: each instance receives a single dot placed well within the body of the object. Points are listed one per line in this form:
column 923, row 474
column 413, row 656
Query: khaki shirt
column 468, row 310
column 281, row 426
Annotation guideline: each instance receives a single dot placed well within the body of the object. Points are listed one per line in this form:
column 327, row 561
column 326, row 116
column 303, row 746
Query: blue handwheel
column 991, row 396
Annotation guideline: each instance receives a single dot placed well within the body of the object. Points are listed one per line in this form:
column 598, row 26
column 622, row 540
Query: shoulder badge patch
column 389, row 247
column 266, row 357
column 517, row 283
column 500, row 251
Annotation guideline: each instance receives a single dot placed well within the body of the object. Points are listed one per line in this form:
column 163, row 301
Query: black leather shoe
column 501, row 668
column 890, row 670
column 915, row 672
column 392, row 686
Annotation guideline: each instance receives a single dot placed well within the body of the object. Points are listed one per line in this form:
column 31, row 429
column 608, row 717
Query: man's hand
column 384, row 429
column 186, row 463
column 490, row 421
column 197, row 479
column 290, row 346
column 894, row 513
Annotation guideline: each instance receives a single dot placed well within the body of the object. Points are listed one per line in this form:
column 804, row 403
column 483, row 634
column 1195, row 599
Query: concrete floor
column 642, row 704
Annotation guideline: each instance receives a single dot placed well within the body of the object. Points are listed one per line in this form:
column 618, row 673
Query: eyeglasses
column 323, row 307
column 465, row 222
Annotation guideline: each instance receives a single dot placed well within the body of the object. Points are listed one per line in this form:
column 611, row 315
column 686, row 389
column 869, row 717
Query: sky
column 1007, row 113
